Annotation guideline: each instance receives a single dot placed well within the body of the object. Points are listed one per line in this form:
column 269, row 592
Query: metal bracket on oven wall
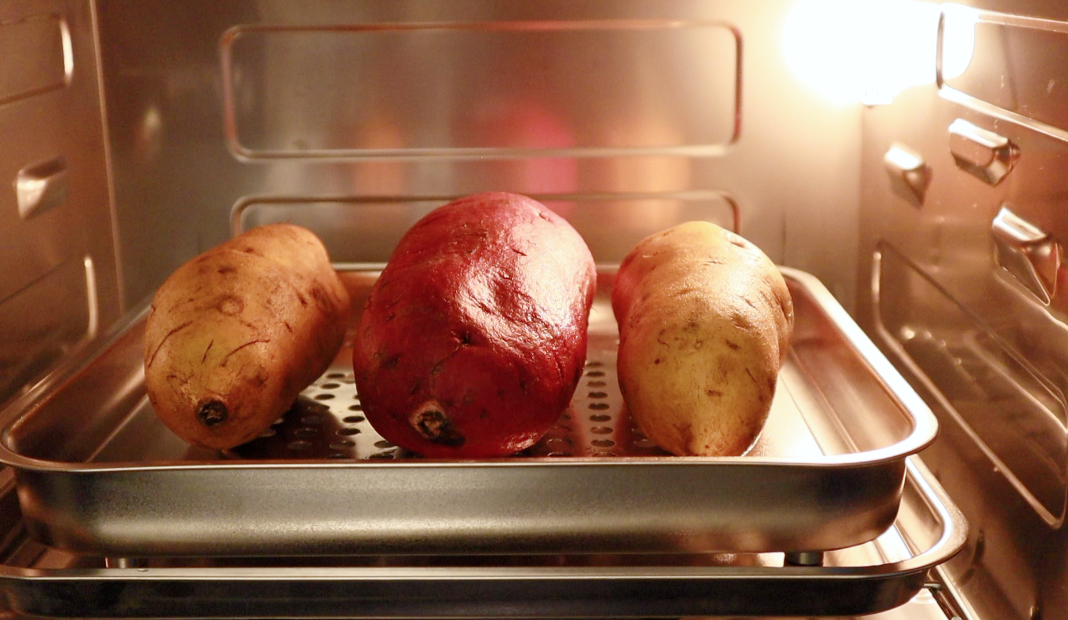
column 980, row 152
column 909, row 173
column 1027, row 252
column 41, row 186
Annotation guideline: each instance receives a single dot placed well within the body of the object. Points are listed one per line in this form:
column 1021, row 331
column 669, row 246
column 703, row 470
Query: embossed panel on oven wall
column 215, row 105
column 964, row 286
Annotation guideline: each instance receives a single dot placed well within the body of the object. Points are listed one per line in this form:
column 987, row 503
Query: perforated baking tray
column 98, row 474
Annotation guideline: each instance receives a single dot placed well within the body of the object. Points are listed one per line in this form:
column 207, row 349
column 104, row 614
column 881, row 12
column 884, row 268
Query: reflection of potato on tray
column 532, row 127
column 379, row 178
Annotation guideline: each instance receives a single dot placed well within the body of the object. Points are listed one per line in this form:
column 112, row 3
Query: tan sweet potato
column 705, row 320
column 237, row 332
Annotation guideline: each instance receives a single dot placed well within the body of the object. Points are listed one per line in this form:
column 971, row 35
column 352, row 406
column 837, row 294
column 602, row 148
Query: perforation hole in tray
column 327, row 422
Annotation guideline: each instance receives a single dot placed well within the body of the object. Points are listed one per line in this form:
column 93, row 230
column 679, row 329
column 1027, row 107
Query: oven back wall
column 621, row 115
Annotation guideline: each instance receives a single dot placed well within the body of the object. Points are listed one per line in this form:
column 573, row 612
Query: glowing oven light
column 868, row 51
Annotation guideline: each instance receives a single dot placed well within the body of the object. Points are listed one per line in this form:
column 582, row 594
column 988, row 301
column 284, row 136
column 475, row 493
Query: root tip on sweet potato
column 212, row 413
column 431, row 422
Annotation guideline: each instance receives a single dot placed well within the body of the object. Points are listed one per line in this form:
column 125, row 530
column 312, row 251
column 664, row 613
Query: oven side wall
column 60, row 285
column 960, row 284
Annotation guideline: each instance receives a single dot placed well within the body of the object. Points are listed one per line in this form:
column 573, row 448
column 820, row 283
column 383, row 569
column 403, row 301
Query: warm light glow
column 871, row 50
column 958, row 39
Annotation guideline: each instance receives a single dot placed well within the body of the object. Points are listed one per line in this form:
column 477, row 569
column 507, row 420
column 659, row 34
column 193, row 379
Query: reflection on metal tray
column 99, row 474
column 866, row 579
column 321, row 515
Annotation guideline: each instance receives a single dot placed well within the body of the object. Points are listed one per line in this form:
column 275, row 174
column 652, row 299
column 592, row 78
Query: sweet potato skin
column 705, row 321
column 236, row 333
column 473, row 338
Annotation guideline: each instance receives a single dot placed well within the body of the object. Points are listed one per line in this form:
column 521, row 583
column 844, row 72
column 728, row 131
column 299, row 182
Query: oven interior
column 907, row 155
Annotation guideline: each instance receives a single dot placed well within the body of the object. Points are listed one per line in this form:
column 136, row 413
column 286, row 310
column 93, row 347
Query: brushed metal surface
column 37, row 52
column 1015, row 66
column 909, row 174
column 980, row 152
column 498, row 89
column 41, row 186
column 1028, row 253
column 364, row 229
column 885, row 578
column 403, row 84
column 60, row 280
column 982, row 348
column 99, row 474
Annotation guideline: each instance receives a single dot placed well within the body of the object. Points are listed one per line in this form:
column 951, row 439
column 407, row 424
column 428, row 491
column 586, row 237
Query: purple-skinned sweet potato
column 473, row 338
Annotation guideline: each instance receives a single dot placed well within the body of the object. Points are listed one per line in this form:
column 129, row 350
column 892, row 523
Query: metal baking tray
column 887, row 573
column 98, row 474
column 828, row 515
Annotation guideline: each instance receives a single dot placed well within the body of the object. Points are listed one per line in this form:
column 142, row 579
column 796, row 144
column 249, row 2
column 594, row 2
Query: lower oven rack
column 830, row 514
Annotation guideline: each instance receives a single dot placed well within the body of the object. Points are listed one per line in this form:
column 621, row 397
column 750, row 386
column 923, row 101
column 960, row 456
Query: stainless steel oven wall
column 962, row 283
column 59, row 282
column 622, row 114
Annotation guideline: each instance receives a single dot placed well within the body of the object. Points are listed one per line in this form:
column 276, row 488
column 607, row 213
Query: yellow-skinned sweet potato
column 705, row 321
column 237, row 332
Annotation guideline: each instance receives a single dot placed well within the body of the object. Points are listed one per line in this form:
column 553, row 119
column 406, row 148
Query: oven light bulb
column 868, row 51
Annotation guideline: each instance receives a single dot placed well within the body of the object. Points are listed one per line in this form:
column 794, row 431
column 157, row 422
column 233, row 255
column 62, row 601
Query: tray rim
column 923, row 432
column 937, row 500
